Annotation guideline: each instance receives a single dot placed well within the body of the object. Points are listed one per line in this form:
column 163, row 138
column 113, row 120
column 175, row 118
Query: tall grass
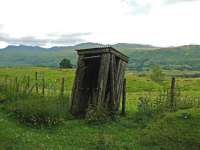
column 37, row 102
column 152, row 106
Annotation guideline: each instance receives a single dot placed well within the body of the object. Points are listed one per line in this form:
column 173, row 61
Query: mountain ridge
column 81, row 45
column 141, row 57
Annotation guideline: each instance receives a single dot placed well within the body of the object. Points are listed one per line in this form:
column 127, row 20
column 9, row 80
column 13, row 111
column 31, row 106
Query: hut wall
column 99, row 81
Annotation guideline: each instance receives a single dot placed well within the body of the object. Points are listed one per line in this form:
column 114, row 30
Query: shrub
column 40, row 111
column 157, row 74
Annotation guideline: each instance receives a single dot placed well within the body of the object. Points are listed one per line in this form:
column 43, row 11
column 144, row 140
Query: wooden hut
column 99, row 79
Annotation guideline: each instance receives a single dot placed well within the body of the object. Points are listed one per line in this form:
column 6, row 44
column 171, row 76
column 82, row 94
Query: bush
column 157, row 74
column 40, row 111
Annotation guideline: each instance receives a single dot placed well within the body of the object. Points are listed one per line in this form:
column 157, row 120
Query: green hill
column 141, row 57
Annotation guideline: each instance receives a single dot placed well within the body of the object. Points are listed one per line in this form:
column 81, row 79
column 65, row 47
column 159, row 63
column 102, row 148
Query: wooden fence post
column 16, row 84
column 43, row 86
column 28, row 82
column 6, row 82
column 36, row 82
column 62, row 87
column 173, row 94
column 124, row 98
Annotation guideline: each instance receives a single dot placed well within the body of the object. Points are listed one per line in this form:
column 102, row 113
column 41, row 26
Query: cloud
column 1, row 26
column 178, row 1
column 54, row 39
column 157, row 22
column 146, row 6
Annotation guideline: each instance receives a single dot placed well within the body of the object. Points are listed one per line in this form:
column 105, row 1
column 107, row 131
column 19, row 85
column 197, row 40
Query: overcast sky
column 67, row 22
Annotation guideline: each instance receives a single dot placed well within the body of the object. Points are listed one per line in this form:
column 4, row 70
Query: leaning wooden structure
column 99, row 79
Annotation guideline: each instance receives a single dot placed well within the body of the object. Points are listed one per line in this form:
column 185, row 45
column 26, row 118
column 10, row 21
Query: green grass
column 75, row 134
column 178, row 130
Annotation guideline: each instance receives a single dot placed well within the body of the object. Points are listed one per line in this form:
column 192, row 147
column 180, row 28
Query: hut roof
column 100, row 50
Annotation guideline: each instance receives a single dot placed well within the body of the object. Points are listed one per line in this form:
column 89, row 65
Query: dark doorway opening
column 89, row 82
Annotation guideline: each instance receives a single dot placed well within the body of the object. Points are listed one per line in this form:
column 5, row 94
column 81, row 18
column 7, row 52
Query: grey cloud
column 63, row 39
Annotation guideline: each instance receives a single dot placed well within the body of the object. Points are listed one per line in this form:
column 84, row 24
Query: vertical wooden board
column 112, row 80
column 117, row 80
column 119, row 87
column 124, row 98
column 76, row 86
column 103, row 77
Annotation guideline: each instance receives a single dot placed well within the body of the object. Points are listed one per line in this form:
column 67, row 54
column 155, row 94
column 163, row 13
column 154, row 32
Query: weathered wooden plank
column 112, row 80
column 94, row 51
column 103, row 50
column 124, row 98
column 103, row 77
column 77, row 84
column 91, row 57
column 119, row 87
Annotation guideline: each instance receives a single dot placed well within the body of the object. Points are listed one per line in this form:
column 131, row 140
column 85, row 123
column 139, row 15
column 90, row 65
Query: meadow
column 58, row 130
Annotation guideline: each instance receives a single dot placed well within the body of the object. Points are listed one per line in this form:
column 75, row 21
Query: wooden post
column 173, row 95
column 62, row 87
column 16, row 84
column 6, row 82
column 36, row 82
column 43, row 86
column 28, row 82
column 124, row 98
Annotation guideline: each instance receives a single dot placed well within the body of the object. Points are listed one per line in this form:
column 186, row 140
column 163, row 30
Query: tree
column 65, row 63
column 157, row 74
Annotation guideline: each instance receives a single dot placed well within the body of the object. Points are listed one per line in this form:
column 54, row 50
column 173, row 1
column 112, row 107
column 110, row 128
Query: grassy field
column 77, row 134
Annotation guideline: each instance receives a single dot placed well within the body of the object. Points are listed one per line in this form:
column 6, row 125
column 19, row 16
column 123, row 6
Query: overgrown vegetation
column 148, row 125
column 40, row 111
column 35, row 101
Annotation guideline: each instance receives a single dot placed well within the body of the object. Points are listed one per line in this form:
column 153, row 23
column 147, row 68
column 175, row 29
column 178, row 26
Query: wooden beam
column 101, row 50
column 91, row 57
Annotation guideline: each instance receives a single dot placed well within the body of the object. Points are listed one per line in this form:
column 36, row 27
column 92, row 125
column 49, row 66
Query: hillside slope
column 140, row 56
